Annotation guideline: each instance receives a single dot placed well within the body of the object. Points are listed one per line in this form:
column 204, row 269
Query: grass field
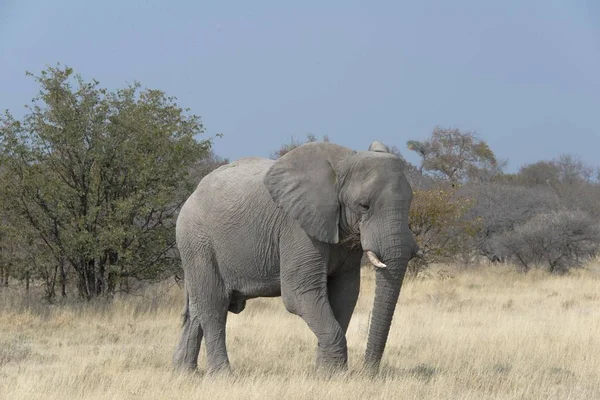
column 490, row 334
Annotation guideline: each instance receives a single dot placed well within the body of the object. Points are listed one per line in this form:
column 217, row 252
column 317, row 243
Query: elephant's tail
column 186, row 310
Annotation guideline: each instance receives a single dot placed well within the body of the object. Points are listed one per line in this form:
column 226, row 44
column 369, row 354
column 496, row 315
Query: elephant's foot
column 331, row 368
column 331, row 363
column 370, row 368
column 185, row 356
column 180, row 367
column 183, row 362
column 220, row 370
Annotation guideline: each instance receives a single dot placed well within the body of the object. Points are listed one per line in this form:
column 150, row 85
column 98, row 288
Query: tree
column 572, row 170
column 539, row 173
column 99, row 177
column 7, row 255
column 566, row 169
column 567, row 176
column 438, row 223
column 204, row 166
column 456, row 156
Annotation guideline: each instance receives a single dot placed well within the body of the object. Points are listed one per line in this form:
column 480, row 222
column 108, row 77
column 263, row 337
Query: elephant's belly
column 260, row 289
column 250, row 280
column 251, row 291
column 252, row 276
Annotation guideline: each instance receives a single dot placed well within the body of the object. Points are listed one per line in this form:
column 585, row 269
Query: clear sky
column 524, row 74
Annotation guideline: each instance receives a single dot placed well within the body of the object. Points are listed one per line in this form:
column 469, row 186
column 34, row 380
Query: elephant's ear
column 304, row 184
column 379, row 147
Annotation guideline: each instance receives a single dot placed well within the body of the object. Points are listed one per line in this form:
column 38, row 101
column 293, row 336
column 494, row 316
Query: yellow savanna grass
column 484, row 334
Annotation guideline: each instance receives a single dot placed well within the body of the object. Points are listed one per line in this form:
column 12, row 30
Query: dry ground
column 480, row 335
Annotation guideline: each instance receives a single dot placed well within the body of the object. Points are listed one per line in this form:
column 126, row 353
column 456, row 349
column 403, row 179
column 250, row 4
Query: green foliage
column 455, row 156
column 99, row 176
column 438, row 223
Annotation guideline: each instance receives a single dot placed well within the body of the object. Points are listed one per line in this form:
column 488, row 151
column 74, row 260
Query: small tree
column 539, row 173
column 438, row 223
column 566, row 170
column 455, row 156
column 572, row 170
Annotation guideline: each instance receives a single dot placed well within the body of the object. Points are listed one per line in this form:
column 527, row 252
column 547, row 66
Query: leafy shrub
column 438, row 223
column 559, row 240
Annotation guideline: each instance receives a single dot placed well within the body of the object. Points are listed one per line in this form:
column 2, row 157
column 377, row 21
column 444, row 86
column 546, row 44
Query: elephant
column 296, row 228
column 380, row 147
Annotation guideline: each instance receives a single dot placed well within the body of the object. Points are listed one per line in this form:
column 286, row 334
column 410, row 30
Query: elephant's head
column 334, row 193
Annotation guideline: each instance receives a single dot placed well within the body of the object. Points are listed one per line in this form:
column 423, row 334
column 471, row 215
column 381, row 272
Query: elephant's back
column 251, row 166
column 236, row 177
column 233, row 190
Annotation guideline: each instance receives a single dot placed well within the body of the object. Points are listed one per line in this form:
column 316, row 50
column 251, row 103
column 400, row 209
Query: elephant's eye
column 364, row 207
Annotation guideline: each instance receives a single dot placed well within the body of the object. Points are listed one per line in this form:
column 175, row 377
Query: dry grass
column 487, row 334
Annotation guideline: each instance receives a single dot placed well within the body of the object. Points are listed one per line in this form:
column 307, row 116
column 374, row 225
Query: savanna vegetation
column 491, row 333
column 502, row 304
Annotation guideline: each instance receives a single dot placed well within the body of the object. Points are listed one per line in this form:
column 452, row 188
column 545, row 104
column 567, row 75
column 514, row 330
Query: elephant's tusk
column 374, row 260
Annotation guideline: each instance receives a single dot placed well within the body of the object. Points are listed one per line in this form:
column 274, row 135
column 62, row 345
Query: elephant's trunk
column 388, row 282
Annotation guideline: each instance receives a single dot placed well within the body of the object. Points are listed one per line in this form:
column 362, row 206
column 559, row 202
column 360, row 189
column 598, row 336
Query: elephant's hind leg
column 211, row 298
column 214, row 319
column 186, row 354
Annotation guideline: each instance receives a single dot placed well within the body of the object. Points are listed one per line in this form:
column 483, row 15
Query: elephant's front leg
column 313, row 307
column 343, row 290
column 304, row 293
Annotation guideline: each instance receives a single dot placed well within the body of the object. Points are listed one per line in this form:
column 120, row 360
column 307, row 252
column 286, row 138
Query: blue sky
column 525, row 75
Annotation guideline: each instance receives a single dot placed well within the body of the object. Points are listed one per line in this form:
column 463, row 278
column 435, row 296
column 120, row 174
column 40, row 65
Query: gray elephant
column 297, row 228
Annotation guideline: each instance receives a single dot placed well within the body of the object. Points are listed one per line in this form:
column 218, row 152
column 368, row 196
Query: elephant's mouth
column 375, row 260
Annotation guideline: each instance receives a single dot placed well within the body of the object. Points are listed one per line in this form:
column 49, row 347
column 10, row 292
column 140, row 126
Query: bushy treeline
column 92, row 181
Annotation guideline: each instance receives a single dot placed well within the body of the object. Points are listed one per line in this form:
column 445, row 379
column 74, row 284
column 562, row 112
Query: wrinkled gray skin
column 264, row 228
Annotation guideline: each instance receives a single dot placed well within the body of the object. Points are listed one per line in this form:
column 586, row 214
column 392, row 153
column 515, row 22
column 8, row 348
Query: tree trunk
column 87, row 278
column 103, row 275
column 112, row 282
column 124, row 284
column 51, row 284
column 4, row 273
column 63, row 280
